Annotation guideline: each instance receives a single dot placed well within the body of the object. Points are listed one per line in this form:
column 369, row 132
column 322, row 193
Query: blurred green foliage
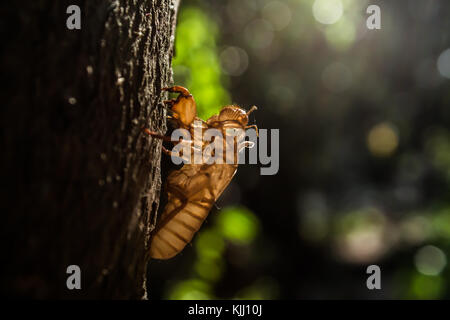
column 238, row 225
column 233, row 225
column 441, row 224
column 426, row 287
column 196, row 64
column 191, row 289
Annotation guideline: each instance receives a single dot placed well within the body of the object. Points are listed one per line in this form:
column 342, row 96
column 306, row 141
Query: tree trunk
column 82, row 179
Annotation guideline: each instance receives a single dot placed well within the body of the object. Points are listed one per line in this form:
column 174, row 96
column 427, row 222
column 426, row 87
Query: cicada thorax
column 216, row 143
column 232, row 113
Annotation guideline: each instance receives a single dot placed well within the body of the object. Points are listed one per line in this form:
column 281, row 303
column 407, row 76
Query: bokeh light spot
column 382, row 140
column 234, row 61
column 238, row 225
column 430, row 260
column 209, row 244
column 443, row 64
column 361, row 236
column 327, row 11
column 278, row 14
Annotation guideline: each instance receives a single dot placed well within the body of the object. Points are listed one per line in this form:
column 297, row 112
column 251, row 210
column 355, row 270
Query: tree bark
column 82, row 180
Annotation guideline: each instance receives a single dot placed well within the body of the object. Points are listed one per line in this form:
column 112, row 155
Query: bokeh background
column 364, row 178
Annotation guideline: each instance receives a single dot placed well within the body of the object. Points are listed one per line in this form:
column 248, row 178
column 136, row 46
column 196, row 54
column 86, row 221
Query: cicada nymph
column 193, row 189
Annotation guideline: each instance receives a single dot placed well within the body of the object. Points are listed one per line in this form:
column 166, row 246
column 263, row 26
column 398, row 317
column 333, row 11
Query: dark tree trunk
column 82, row 181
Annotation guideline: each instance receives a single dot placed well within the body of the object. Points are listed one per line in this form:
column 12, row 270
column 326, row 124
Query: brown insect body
column 193, row 189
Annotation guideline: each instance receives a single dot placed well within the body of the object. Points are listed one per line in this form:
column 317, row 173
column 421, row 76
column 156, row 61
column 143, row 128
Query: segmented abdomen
column 177, row 231
column 191, row 191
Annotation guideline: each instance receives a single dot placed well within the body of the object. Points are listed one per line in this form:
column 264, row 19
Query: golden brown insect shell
column 193, row 189
column 185, row 110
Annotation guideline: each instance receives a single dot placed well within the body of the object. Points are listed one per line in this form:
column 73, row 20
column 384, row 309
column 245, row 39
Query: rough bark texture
column 82, row 181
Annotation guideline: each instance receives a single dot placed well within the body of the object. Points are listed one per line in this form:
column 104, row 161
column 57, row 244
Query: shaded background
column 364, row 178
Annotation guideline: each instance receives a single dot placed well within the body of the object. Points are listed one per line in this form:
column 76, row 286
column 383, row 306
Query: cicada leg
column 166, row 138
column 178, row 89
column 157, row 135
column 184, row 157
column 255, row 127
column 170, row 102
